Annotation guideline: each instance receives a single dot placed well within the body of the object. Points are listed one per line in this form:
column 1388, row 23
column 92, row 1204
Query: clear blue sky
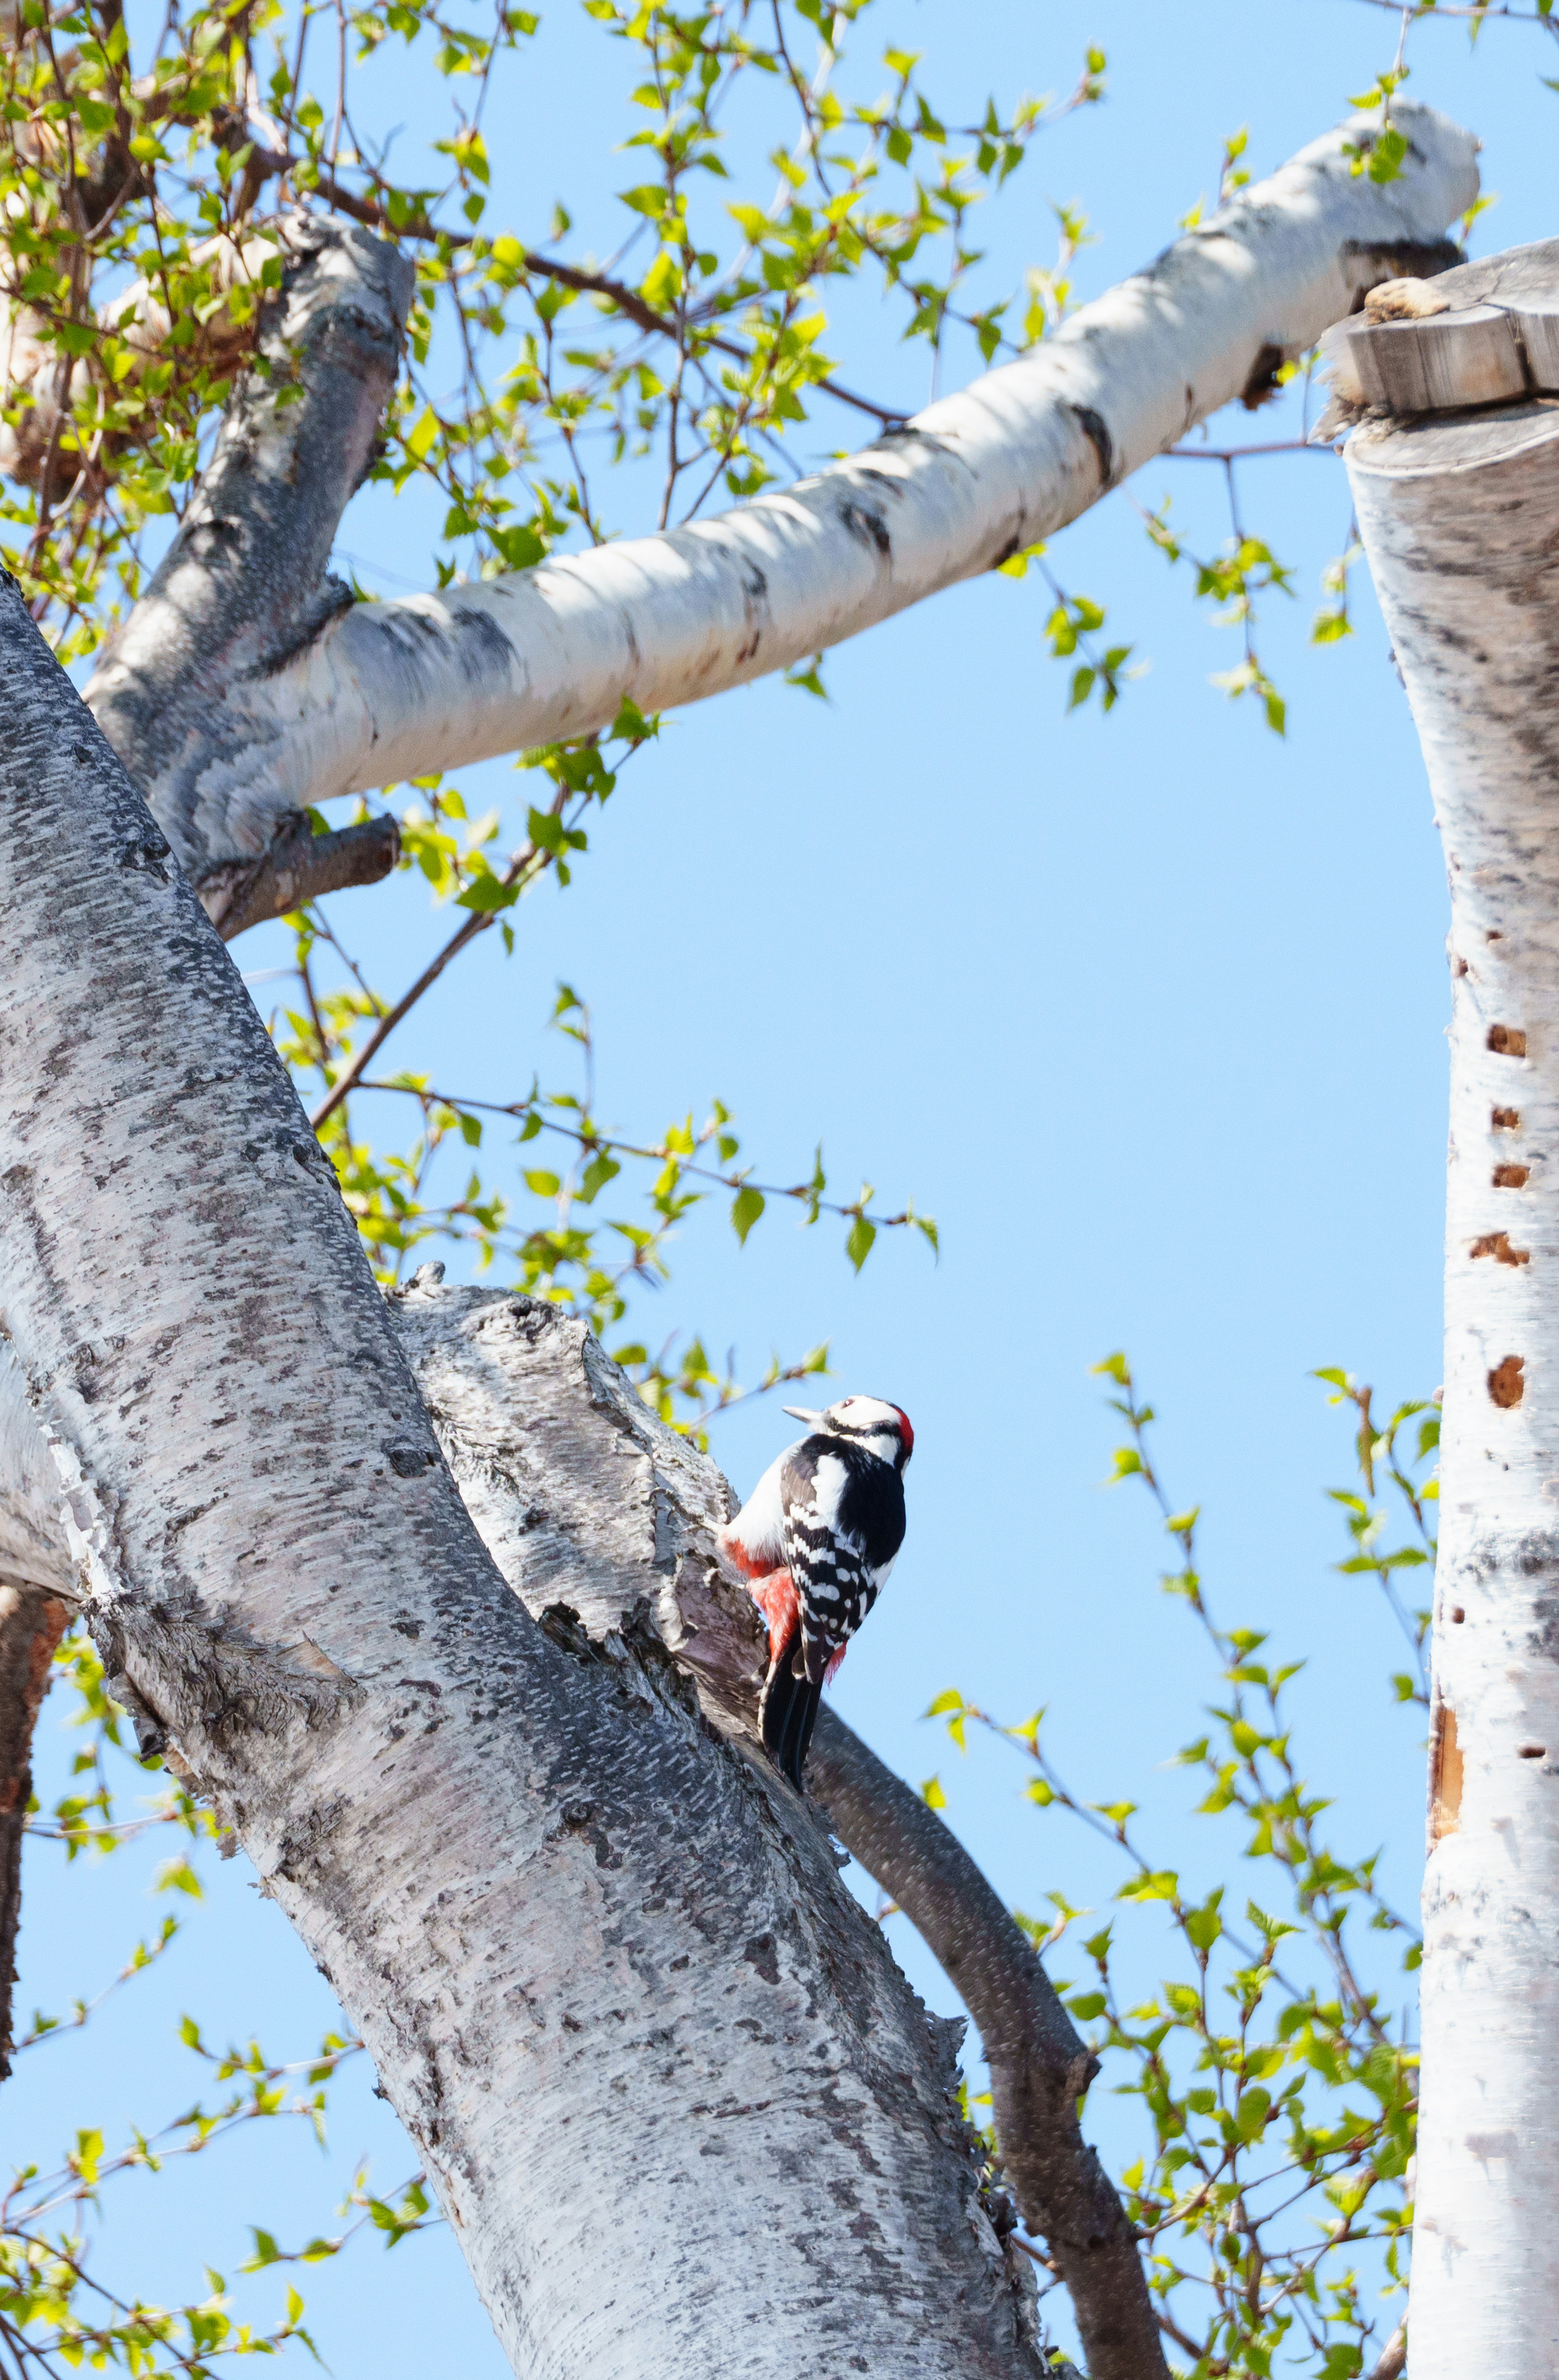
column 1157, row 1007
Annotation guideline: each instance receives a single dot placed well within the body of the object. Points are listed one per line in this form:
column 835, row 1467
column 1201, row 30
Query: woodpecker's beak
column 800, row 1412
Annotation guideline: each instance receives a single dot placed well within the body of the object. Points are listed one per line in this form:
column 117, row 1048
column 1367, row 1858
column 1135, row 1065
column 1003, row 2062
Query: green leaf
column 486, row 894
column 422, row 436
column 746, row 1207
column 598, row 1172
column 933, row 1795
column 1160, row 1885
column 857, row 1246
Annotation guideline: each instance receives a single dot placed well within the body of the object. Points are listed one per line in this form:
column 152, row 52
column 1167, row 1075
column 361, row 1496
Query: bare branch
column 1039, row 2069
column 1392, row 2359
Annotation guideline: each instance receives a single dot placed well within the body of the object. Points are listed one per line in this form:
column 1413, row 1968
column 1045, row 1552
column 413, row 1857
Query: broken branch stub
column 1456, row 509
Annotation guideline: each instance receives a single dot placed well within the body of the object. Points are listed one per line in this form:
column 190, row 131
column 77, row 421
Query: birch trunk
column 385, row 691
column 536, row 1422
column 526, row 1405
column 1458, row 515
column 581, row 1934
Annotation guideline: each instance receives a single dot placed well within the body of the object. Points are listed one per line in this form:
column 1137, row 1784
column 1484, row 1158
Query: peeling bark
column 345, row 700
column 578, row 1931
column 1457, row 512
column 245, row 585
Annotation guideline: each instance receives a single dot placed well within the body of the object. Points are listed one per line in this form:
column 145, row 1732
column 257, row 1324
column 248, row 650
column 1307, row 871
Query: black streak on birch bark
column 477, row 1830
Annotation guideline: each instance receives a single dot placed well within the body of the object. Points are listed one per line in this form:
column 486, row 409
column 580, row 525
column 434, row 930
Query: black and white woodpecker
column 815, row 1542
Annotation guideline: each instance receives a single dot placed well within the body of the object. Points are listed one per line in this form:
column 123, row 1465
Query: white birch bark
column 1456, row 512
column 386, row 691
column 681, row 2109
column 560, row 1466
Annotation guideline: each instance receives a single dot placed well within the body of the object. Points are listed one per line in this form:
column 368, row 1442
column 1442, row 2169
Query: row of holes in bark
column 1507, row 1385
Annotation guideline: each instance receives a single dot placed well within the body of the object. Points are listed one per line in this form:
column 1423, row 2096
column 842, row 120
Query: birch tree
column 574, row 1916
column 1452, row 470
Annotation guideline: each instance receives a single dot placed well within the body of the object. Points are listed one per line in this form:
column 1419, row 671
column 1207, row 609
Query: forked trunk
column 685, row 2115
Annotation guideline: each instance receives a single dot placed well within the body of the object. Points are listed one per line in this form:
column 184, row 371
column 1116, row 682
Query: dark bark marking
column 867, row 528
column 1096, row 430
column 760, row 1953
column 1262, row 385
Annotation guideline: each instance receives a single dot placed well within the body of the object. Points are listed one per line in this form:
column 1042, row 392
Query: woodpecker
column 815, row 1542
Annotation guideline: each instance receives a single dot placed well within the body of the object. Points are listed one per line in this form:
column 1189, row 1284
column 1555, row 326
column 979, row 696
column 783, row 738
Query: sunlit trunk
column 1458, row 513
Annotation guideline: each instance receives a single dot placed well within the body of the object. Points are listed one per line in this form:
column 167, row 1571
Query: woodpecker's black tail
column 788, row 1713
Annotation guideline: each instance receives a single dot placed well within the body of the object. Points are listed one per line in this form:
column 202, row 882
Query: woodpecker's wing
column 844, row 1523
column 753, row 1544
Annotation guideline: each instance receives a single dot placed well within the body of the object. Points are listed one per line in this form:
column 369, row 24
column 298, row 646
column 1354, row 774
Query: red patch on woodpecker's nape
column 908, row 1429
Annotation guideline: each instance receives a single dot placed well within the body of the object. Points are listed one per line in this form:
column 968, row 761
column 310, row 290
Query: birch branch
column 245, row 583
column 1039, row 2069
column 1456, row 512
column 578, row 1930
column 386, row 691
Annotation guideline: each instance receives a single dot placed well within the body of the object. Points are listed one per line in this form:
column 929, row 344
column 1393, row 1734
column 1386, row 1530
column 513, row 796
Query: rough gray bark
column 578, row 1930
column 35, row 1600
column 1456, row 511
column 246, row 584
